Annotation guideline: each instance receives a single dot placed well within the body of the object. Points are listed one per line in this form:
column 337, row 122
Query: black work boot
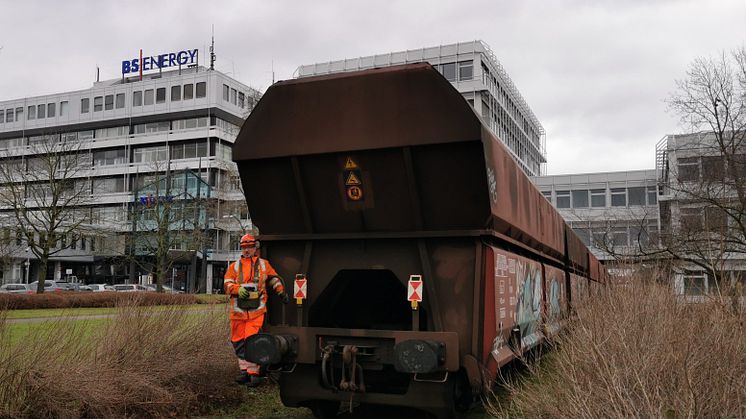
column 243, row 378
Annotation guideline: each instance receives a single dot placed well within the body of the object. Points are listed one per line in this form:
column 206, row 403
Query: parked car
column 101, row 287
column 15, row 289
column 166, row 289
column 49, row 286
column 129, row 288
column 85, row 288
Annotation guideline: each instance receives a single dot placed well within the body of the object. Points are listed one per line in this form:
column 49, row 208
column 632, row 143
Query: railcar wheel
column 325, row 409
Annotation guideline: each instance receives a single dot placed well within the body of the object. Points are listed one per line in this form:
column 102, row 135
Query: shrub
column 138, row 364
column 98, row 299
column 637, row 350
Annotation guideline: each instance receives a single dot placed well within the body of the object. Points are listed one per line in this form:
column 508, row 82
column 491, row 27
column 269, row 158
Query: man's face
column 248, row 251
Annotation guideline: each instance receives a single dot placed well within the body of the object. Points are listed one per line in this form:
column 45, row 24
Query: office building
column 131, row 131
column 477, row 74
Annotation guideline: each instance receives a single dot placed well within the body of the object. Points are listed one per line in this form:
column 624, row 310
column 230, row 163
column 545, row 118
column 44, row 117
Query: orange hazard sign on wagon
column 300, row 289
column 414, row 288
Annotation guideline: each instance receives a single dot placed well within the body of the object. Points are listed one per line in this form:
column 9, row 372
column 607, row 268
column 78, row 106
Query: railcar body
column 359, row 181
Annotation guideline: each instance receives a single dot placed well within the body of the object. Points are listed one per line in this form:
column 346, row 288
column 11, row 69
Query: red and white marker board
column 300, row 289
column 415, row 288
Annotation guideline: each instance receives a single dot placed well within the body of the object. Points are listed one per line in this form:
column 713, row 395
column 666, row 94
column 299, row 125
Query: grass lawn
column 85, row 311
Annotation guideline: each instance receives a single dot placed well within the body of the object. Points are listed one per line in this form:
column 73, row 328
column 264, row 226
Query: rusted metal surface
column 412, row 136
column 556, row 307
column 313, row 339
column 577, row 253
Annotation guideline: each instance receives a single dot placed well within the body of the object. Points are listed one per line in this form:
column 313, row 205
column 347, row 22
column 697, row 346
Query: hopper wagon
column 427, row 258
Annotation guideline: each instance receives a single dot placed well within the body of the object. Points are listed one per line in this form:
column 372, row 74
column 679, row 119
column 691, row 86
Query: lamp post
column 28, row 262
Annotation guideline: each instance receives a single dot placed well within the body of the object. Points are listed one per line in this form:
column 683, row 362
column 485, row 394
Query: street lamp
column 28, row 262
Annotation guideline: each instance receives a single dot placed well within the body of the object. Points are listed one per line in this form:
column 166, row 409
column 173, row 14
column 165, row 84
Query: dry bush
column 98, row 299
column 139, row 364
column 636, row 350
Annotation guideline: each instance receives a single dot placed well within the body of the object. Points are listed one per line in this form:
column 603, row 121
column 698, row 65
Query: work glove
column 243, row 293
column 284, row 297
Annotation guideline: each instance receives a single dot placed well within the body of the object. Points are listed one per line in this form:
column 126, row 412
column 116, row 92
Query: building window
column 233, row 96
column 241, row 100
column 636, row 196
column 465, row 70
column 188, row 91
column 31, row 112
column 152, row 127
column 160, row 95
column 598, row 198
column 51, row 110
column 108, row 185
column 137, row 98
column 149, row 97
column 189, row 150
column 175, row 93
column 19, row 114
column 150, row 154
column 120, row 100
column 652, row 195
column 688, row 169
column 584, row 234
column 109, row 102
column 691, row 219
column 547, row 195
column 41, row 111
column 618, row 197
column 85, row 105
column 563, row 199
column 226, row 92
column 2, row 116
column 580, row 198
column 9, row 115
column 63, row 108
column 694, row 284
column 619, row 236
column 201, row 90
column 713, row 168
column 98, row 104
column 449, row 71
column 109, row 157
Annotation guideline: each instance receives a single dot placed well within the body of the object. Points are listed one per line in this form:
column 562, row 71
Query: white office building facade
column 183, row 121
column 477, row 74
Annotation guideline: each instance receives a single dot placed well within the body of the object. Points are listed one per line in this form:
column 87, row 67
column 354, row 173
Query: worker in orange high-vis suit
column 246, row 281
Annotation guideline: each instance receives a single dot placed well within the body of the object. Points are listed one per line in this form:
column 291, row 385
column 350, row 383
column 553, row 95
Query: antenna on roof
column 212, row 49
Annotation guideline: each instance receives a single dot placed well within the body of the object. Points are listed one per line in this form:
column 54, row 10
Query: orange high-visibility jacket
column 248, row 270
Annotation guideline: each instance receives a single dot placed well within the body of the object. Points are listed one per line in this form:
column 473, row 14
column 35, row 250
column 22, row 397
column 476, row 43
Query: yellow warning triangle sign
column 352, row 180
column 350, row 164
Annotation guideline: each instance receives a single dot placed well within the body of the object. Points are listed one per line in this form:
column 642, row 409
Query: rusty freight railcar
column 362, row 181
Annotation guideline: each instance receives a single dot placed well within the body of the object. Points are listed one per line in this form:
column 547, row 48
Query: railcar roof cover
column 388, row 107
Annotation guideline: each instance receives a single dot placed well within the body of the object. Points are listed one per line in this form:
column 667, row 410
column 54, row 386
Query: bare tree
column 169, row 216
column 44, row 189
column 703, row 173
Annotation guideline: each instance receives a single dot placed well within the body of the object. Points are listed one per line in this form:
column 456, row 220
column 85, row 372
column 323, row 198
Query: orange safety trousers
column 240, row 331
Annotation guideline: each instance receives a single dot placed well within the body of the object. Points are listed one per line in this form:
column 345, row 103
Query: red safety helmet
column 248, row 240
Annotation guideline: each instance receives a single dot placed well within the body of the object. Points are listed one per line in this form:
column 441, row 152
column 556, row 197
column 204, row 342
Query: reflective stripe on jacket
column 250, row 270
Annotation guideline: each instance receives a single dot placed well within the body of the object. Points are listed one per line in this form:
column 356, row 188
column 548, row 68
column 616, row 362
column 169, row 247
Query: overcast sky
column 596, row 73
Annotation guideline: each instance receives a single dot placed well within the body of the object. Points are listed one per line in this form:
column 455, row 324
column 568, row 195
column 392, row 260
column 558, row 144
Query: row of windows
column 708, row 168
column 109, row 102
column 240, row 99
column 72, row 241
column 119, row 131
column 144, row 97
column 601, row 198
column 616, row 235
column 457, row 71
